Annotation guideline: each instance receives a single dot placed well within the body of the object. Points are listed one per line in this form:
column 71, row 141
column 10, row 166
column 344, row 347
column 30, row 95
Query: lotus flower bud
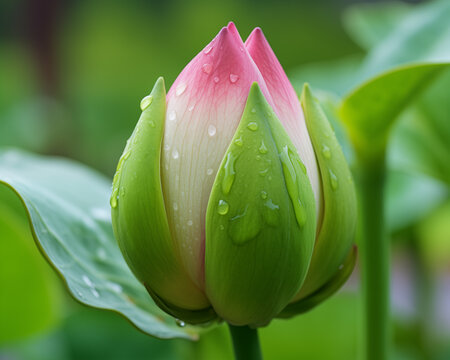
column 226, row 203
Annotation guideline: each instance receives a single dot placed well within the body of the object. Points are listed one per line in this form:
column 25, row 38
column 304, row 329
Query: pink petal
column 204, row 108
column 286, row 105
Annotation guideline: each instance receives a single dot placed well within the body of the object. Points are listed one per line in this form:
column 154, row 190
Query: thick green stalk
column 375, row 258
column 245, row 343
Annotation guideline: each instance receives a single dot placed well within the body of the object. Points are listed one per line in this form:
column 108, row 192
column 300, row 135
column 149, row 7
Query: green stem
column 245, row 343
column 375, row 257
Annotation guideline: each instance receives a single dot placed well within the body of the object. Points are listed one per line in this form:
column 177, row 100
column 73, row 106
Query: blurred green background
column 72, row 74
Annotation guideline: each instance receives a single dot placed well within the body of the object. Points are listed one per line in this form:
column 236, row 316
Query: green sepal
column 324, row 292
column 260, row 221
column 337, row 223
column 139, row 216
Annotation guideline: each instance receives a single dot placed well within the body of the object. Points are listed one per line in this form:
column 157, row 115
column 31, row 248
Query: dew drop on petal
column 207, row 68
column 208, row 49
column 209, row 171
column 190, row 108
column 234, row 78
column 146, row 102
column 211, row 130
column 172, row 115
column 326, row 151
column 175, row 154
column 333, row 180
column 223, row 207
column 216, row 79
column 180, row 89
column 239, row 141
column 166, row 147
column 252, row 126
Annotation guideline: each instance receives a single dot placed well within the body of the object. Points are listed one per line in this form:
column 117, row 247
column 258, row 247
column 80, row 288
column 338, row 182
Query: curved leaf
column 370, row 110
column 30, row 300
column 68, row 208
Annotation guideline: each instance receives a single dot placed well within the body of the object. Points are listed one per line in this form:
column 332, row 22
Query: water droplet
column 207, row 68
column 211, row 130
column 175, row 206
column 264, row 172
column 175, row 154
column 216, row 79
column 246, row 225
column 152, row 123
column 122, row 192
column 270, row 213
column 326, row 151
column 262, row 148
column 234, row 78
column 221, row 227
column 252, row 126
column 208, row 49
column 333, row 180
column 238, row 141
column 241, row 48
column 115, row 287
column 190, row 108
column 180, row 323
column 209, row 171
column 95, row 293
column 230, row 173
column 166, row 147
column 87, row 281
column 253, row 111
column 223, row 207
column 172, row 115
column 180, row 89
column 292, row 187
column 113, row 199
column 190, row 222
column 263, row 195
column 146, row 102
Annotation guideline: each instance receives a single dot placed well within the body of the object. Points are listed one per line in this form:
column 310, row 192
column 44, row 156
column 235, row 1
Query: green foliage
column 67, row 206
column 369, row 111
column 30, row 300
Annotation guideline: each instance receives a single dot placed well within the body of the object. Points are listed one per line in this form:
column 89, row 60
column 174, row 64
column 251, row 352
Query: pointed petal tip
column 256, row 34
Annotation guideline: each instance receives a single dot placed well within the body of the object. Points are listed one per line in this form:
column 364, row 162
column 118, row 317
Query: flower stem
column 374, row 250
column 245, row 343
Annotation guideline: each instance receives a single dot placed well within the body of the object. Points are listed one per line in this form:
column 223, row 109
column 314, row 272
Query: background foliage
column 72, row 75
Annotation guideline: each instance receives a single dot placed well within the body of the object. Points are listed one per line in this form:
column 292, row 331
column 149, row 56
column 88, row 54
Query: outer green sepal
column 260, row 221
column 328, row 289
column 338, row 221
column 140, row 221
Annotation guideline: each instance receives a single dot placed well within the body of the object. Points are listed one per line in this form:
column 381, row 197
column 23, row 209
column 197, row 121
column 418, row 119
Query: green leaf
column 422, row 36
column 68, row 210
column 31, row 301
column 260, row 220
column 420, row 140
column 370, row 110
column 369, row 23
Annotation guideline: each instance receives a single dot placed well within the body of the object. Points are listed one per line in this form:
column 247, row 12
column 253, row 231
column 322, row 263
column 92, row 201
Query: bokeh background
column 72, row 74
